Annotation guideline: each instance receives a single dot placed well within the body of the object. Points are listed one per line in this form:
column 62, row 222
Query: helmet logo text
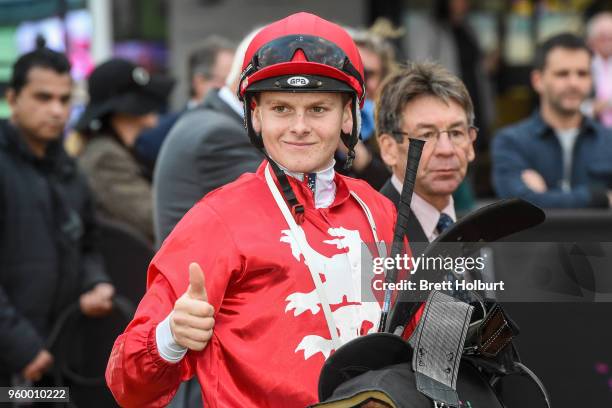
column 298, row 81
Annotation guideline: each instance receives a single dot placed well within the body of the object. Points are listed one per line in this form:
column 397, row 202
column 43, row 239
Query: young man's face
column 301, row 131
column 42, row 107
column 443, row 163
column 565, row 81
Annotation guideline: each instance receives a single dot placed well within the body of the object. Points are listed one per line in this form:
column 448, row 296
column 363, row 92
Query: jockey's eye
column 280, row 109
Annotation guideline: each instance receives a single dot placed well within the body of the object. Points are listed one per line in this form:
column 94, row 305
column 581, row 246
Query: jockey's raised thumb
column 197, row 287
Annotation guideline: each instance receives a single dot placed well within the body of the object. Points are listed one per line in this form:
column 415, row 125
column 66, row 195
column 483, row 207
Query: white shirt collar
column 426, row 214
column 192, row 103
column 601, row 61
column 227, row 96
column 325, row 186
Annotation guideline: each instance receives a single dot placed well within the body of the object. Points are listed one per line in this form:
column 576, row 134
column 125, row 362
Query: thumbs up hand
column 192, row 319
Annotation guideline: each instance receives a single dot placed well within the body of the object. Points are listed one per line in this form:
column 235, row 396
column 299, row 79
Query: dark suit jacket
column 207, row 148
column 414, row 231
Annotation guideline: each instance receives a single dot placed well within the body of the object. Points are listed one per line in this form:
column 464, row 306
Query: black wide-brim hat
column 119, row 86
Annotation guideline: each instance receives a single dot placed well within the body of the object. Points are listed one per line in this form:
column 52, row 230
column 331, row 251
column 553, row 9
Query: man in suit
column 426, row 101
column 207, row 148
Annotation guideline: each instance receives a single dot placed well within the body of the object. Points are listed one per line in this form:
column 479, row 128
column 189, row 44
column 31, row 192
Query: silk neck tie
column 444, row 223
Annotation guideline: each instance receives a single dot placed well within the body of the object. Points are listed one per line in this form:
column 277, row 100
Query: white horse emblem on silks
column 342, row 284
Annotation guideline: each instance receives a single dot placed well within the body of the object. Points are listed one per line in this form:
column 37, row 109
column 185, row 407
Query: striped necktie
column 444, row 223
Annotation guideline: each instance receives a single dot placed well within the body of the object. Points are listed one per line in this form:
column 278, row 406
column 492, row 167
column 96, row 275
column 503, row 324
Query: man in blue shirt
column 557, row 158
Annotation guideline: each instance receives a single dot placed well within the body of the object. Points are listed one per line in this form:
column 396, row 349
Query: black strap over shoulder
column 297, row 208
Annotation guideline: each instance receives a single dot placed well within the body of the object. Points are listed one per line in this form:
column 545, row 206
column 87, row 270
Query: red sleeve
column 136, row 374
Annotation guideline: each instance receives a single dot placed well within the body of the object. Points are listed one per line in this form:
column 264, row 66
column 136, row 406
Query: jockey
column 262, row 279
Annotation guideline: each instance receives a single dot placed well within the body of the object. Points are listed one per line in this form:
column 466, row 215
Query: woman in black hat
column 124, row 100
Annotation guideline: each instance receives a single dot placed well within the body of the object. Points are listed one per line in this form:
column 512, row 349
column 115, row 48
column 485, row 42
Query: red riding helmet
column 303, row 53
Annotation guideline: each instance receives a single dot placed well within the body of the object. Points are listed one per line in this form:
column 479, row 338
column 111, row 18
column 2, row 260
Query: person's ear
column 388, row 149
column 11, row 97
column 347, row 118
column 536, row 80
column 471, row 153
column 256, row 116
column 198, row 83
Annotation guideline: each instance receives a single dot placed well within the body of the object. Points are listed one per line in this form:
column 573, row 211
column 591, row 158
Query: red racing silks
column 270, row 337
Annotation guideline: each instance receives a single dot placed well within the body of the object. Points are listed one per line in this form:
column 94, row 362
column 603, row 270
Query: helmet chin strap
column 350, row 140
column 255, row 138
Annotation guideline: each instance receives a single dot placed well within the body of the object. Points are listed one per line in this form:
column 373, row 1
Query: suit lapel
column 414, row 231
column 390, row 192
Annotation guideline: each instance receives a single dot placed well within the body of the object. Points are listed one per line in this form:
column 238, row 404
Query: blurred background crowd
column 153, row 121
column 489, row 45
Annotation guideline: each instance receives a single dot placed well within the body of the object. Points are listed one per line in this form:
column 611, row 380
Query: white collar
column 192, row 103
column 426, row 214
column 601, row 61
column 325, row 187
column 227, row 96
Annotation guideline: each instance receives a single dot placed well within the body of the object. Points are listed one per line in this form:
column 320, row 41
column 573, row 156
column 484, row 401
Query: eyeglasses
column 459, row 136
